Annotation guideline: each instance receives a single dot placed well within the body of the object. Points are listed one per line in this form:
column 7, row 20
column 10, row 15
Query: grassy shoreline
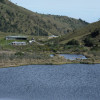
column 57, row 60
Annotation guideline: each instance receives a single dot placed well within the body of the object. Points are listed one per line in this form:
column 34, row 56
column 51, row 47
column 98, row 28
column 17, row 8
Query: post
column 38, row 27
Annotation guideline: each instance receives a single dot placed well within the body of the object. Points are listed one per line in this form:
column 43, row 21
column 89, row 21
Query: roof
column 53, row 36
column 16, row 37
column 18, row 42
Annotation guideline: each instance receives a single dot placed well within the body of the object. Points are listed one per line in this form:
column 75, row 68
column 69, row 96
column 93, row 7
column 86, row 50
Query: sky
column 87, row 10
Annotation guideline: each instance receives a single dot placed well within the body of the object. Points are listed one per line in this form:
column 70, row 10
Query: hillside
column 86, row 39
column 91, row 31
column 15, row 19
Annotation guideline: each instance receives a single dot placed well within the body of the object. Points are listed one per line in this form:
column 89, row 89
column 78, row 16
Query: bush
column 2, row 1
column 95, row 33
column 19, row 54
column 73, row 42
column 88, row 42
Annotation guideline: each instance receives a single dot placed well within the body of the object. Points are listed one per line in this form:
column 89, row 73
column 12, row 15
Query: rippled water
column 50, row 82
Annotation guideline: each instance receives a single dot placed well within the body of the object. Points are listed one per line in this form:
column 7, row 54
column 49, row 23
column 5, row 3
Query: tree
column 95, row 33
column 88, row 42
column 2, row 1
column 73, row 42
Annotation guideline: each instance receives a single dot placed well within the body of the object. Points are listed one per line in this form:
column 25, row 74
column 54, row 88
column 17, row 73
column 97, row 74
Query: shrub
column 73, row 42
column 19, row 54
column 95, row 33
column 2, row 1
column 88, row 42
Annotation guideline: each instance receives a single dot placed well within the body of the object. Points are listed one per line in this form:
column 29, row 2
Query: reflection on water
column 51, row 55
column 50, row 82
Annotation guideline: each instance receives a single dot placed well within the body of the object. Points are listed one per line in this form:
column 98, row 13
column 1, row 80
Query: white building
column 18, row 43
column 52, row 36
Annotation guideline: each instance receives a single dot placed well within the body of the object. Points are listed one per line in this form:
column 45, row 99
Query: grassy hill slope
column 91, row 31
column 86, row 39
column 16, row 19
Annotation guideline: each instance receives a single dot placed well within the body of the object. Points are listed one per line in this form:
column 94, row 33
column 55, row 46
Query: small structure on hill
column 18, row 43
column 16, row 38
column 52, row 36
column 31, row 41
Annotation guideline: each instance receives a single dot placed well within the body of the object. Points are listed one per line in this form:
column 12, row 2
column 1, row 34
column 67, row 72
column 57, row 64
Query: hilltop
column 90, row 31
column 16, row 19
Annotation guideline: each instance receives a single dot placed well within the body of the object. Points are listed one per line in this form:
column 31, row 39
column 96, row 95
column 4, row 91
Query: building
column 16, row 38
column 31, row 41
column 18, row 43
column 52, row 36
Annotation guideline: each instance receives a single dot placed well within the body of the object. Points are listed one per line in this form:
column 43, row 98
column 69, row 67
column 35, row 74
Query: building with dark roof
column 16, row 38
column 18, row 43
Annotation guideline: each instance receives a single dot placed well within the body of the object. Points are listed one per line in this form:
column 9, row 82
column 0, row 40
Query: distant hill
column 81, row 41
column 86, row 39
column 16, row 19
column 90, row 32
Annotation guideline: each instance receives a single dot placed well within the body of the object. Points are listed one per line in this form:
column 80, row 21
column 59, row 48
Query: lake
column 73, row 56
column 50, row 82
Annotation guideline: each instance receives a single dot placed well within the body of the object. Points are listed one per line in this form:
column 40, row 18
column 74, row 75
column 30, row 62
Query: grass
column 19, row 21
column 18, row 59
column 23, row 21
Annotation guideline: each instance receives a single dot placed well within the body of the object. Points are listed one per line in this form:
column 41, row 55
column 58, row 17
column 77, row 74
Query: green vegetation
column 73, row 42
column 24, row 55
column 81, row 34
column 88, row 42
column 15, row 19
column 8, row 59
column 82, row 41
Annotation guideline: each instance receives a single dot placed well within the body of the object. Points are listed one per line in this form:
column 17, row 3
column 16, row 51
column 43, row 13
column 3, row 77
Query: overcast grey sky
column 88, row 10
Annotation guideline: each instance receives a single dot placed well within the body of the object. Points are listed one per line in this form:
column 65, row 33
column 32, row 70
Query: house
column 16, row 38
column 18, row 43
column 31, row 41
column 52, row 36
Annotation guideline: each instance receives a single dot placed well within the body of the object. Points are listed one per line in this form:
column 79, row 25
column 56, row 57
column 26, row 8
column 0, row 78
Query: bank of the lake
column 13, row 59
column 20, row 61
column 57, row 60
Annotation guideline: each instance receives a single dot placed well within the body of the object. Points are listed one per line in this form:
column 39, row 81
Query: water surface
column 50, row 82
column 73, row 56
